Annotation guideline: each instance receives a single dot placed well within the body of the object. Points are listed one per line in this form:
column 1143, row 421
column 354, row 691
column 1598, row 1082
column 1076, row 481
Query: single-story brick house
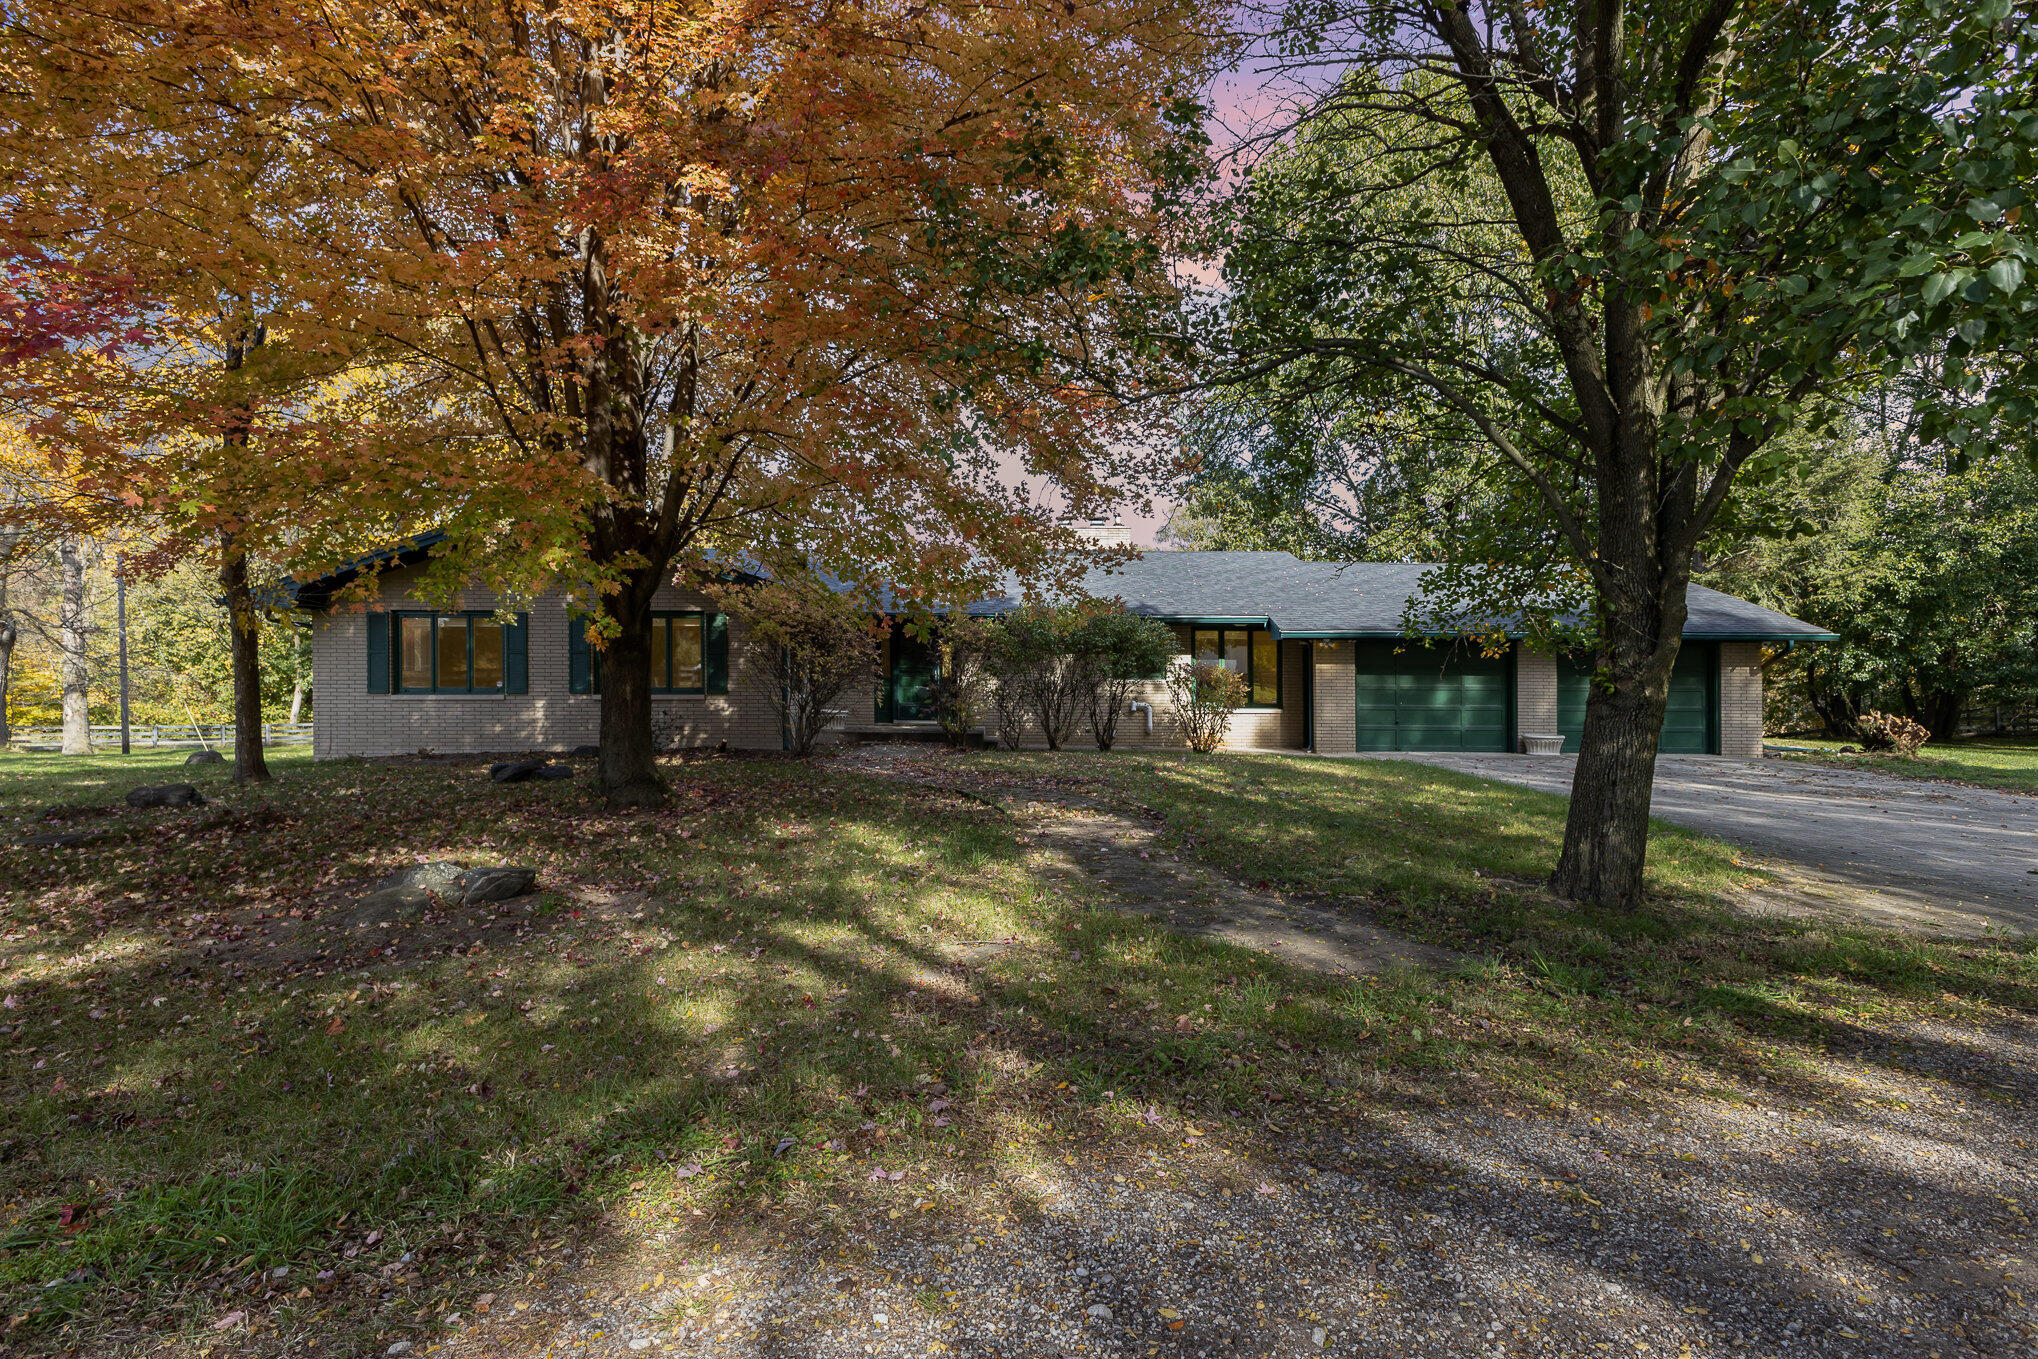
column 1320, row 643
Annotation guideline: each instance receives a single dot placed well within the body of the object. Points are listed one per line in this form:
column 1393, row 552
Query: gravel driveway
column 1882, row 1217
column 1896, row 851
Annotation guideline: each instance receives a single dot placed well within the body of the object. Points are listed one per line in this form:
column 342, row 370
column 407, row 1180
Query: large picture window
column 453, row 653
column 1252, row 652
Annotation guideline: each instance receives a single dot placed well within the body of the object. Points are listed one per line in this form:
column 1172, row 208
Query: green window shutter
column 378, row 652
column 579, row 661
column 516, row 656
column 715, row 653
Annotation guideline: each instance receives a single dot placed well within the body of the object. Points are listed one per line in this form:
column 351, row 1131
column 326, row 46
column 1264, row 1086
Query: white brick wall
column 1336, row 699
column 348, row 720
column 1741, row 700
column 1535, row 693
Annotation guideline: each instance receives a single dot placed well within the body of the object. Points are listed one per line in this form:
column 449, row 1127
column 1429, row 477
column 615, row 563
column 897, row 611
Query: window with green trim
column 450, row 653
column 676, row 653
column 1252, row 652
column 689, row 654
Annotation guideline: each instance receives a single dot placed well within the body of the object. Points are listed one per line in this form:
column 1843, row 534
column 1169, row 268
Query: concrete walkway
column 1892, row 850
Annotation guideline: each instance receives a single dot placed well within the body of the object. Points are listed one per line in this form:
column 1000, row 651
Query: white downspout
column 1140, row 706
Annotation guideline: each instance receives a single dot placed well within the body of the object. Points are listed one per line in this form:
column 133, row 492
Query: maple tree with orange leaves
column 669, row 284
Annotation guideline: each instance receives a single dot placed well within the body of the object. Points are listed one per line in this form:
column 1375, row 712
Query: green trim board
column 1691, row 722
column 1418, row 696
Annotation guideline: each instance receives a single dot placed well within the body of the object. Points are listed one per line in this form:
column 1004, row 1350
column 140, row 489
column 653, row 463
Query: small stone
column 640, row 1343
column 1099, row 1311
column 1317, row 1337
column 165, row 795
column 400, row 1347
column 202, row 757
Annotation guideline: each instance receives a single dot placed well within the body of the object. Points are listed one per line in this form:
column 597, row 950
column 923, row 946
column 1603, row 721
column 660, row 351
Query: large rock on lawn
column 405, row 895
column 166, row 795
column 522, row 771
column 199, row 757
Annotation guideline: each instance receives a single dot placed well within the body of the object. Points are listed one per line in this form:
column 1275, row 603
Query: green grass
column 2008, row 763
column 788, row 951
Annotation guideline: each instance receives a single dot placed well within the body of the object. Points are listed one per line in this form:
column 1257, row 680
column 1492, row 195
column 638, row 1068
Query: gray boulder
column 405, row 894
column 201, row 757
column 555, row 772
column 585, row 752
column 496, row 883
column 165, row 795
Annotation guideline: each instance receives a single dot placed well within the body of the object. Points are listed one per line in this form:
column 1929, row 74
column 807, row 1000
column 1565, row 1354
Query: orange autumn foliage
column 664, row 281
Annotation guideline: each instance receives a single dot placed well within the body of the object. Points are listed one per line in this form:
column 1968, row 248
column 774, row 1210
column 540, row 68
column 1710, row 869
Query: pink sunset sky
column 1254, row 99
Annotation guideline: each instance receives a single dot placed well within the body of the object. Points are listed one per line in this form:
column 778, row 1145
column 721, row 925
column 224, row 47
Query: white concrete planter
column 1542, row 745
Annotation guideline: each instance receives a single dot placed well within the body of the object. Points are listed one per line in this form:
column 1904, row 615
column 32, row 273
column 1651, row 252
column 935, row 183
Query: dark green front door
column 1416, row 696
column 915, row 666
column 1691, row 724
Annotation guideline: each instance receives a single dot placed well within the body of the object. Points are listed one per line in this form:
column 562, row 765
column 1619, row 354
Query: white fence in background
column 165, row 736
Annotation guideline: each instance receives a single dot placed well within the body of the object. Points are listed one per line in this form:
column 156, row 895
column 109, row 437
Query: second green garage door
column 1419, row 697
column 1691, row 725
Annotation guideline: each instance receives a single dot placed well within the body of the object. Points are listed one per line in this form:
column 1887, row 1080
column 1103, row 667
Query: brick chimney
column 1105, row 532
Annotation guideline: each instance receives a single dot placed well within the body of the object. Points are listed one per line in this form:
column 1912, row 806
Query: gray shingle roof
column 1347, row 599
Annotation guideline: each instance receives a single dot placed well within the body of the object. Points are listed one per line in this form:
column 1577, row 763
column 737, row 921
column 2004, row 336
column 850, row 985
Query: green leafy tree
column 1921, row 565
column 1608, row 253
column 1116, row 653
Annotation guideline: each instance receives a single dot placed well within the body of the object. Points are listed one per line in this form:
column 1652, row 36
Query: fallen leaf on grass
column 229, row 1321
column 338, row 1025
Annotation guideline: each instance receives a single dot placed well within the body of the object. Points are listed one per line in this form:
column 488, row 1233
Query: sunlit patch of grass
column 2009, row 763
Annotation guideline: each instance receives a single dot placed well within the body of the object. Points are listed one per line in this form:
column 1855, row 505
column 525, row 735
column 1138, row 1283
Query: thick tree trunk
column 1606, row 836
column 628, row 766
column 73, row 671
column 245, row 627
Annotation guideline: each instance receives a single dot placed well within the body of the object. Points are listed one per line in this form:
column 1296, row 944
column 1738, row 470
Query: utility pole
column 120, row 613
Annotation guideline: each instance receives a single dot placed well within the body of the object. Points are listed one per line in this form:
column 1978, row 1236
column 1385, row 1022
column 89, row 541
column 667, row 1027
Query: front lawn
column 244, row 1113
column 2009, row 763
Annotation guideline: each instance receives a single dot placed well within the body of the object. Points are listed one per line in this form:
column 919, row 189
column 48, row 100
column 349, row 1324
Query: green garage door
column 1691, row 725
column 1413, row 696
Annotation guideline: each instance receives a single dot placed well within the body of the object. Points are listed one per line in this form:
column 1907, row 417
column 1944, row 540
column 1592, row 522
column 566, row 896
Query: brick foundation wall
column 348, row 720
column 1741, row 700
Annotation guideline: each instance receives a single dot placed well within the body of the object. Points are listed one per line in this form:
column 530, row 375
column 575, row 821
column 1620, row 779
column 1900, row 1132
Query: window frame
column 700, row 616
column 433, row 617
column 1246, row 633
column 700, row 690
